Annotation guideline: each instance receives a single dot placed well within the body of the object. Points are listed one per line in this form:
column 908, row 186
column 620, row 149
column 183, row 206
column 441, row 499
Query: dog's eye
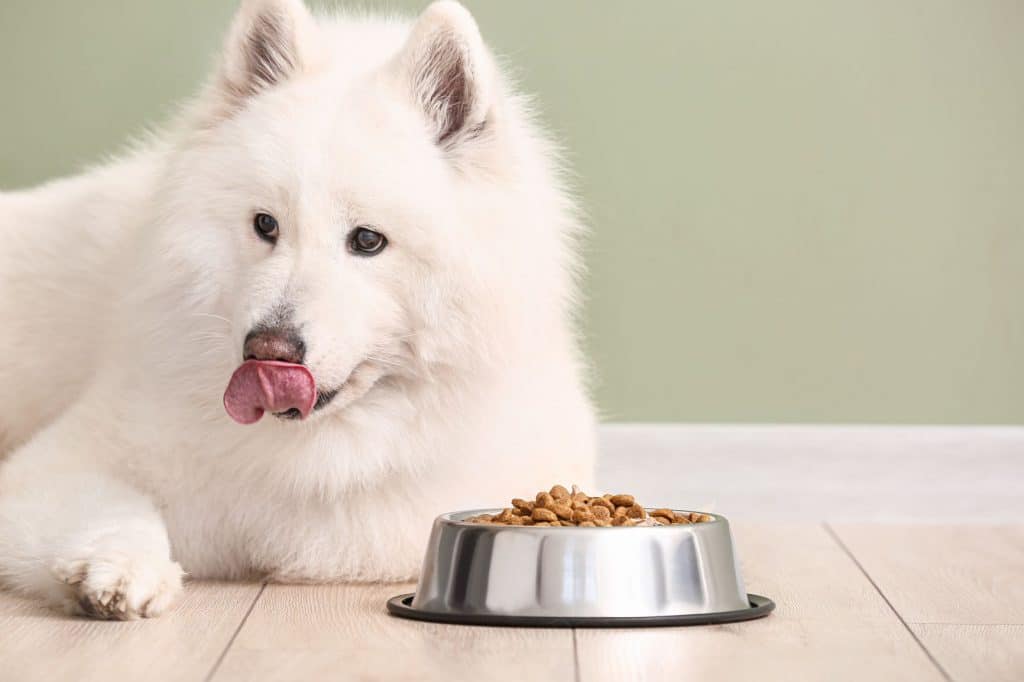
column 366, row 242
column 266, row 227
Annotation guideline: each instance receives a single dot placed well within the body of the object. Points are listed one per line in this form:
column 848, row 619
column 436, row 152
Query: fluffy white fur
column 126, row 293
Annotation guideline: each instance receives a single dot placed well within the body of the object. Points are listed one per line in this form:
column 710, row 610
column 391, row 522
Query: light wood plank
column 40, row 644
column 829, row 624
column 947, row 573
column 976, row 653
column 342, row 632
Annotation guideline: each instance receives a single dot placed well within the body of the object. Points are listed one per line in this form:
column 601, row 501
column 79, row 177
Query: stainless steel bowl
column 571, row 576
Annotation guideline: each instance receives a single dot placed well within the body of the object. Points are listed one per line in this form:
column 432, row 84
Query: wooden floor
column 856, row 601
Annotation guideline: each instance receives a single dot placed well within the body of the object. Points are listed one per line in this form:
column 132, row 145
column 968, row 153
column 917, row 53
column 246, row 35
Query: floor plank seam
column 234, row 635
column 575, row 657
column 965, row 625
column 931, row 657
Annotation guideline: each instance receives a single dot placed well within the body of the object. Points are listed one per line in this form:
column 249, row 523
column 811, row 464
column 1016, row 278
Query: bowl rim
column 401, row 606
column 447, row 519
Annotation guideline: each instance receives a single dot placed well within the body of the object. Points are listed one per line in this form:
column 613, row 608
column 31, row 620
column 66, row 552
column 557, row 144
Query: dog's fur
column 126, row 293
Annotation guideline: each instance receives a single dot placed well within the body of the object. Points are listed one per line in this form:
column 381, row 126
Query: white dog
column 355, row 228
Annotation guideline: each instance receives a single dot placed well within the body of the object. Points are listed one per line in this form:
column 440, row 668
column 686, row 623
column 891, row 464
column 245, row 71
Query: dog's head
column 332, row 194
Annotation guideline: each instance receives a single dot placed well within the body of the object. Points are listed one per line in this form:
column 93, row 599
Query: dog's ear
column 265, row 46
column 450, row 72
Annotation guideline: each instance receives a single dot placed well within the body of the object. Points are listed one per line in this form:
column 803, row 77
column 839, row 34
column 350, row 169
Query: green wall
column 803, row 210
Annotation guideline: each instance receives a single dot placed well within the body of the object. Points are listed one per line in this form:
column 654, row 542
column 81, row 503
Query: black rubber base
column 759, row 608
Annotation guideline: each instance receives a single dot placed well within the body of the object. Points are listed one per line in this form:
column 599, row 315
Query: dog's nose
column 274, row 344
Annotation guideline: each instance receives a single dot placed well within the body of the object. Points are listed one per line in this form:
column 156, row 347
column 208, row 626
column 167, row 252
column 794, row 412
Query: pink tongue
column 259, row 386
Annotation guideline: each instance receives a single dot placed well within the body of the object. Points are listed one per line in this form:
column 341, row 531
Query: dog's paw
column 119, row 586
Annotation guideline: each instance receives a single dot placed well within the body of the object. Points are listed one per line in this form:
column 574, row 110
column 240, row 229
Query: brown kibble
column 542, row 514
column 562, row 511
column 523, row 505
column 561, row 507
column 559, row 492
column 580, row 515
column 637, row 511
column 503, row 516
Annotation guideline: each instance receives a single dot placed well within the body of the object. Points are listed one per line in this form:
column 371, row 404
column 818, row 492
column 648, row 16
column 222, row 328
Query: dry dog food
column 562, row 507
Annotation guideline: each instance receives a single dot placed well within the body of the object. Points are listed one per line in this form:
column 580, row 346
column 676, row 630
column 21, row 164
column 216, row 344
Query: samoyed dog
column 333, row 299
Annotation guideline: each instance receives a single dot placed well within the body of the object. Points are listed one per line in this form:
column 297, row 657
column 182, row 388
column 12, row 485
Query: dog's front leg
column 75, row 534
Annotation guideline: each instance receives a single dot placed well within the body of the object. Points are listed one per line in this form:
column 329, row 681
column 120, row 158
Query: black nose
column 274, row 344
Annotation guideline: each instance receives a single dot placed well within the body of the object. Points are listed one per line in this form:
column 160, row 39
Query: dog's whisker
column 219, row 318
column 385, row 363
column 209, row 335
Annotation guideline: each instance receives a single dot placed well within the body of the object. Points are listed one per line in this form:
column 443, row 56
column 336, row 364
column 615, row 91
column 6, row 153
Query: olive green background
column 803, row 211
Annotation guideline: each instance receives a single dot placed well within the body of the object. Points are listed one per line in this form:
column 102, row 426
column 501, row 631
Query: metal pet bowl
column 484, row 574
